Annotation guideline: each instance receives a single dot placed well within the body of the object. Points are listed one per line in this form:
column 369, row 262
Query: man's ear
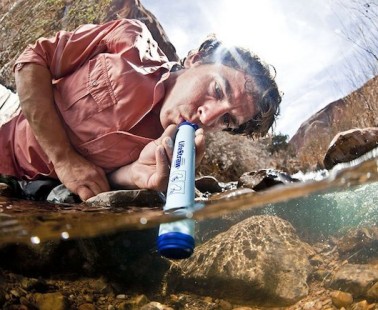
column 192, row 58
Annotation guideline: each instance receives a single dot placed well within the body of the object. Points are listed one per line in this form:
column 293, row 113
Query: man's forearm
column 34, row 88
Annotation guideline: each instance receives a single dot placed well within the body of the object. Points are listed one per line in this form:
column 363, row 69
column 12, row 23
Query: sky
column 312, row 44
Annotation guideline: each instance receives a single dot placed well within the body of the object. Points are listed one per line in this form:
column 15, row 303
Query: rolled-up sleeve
column 67, row 51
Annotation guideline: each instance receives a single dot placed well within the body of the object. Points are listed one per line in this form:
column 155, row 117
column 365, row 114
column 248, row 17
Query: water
column 319, row 209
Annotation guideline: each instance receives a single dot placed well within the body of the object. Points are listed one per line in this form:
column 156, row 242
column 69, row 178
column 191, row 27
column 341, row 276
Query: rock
column 87, row 307
column 372, row 293
column 362, row 305
column 123, row 198
column 341, row 299
column 357, row 110
column 154, row 305
column 50, row 301
column 260, row 258
column 32, row 284
column 349, row 145
column 208, row 184
column 355, row 279
column 359, row 244
column 135, row 303
column 263, row 179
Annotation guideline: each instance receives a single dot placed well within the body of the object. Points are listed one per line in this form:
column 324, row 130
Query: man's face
column 210, row 95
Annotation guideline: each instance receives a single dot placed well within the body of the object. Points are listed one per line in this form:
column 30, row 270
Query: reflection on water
column 345, row 198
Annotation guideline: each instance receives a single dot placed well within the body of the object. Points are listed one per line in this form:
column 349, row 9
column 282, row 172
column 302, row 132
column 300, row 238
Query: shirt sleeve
column 67, row 51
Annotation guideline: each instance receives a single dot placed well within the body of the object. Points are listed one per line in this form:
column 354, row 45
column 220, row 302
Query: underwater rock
column 359, row 245
column 372, row 293
column 349, row 145
column 122, row 198
column 259, row 260
column 355, row 279
column 48, row 301
column 264, row 178
column 341, row 299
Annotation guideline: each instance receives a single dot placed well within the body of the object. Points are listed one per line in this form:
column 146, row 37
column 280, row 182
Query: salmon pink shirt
column 106, row 81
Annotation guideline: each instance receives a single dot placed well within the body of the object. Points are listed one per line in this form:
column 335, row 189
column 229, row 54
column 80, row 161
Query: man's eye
column 218, row 91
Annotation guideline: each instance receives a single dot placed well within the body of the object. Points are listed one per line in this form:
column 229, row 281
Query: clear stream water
column 345, row 197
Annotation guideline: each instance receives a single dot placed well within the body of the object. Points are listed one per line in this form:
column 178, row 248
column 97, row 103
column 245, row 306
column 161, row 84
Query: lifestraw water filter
column 176, row 239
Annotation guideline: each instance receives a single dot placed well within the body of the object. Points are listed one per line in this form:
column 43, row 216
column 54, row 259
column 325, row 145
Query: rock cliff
column 357, row 110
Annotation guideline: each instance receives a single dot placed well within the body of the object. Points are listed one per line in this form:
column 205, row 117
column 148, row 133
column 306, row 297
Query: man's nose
column 210, row 115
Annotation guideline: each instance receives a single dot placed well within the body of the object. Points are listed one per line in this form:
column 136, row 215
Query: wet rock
column 87, row 307
column 50, row 301
column 341, row 299
column 362, row 305
column 263, row 179
column 224, row 305
column 372, row 293
column 208, row 184
column 187, row 301
column 154, row 305
column 123, row 198
column 32, row 284
column 349, row 145
column 134, row 303
column 355, row 279
column 359, row 244
column 261, row 258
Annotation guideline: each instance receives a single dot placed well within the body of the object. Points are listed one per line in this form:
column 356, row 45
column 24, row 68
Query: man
column 101, row 104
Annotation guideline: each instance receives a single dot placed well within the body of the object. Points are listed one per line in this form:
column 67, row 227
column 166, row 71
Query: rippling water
column 346, row 196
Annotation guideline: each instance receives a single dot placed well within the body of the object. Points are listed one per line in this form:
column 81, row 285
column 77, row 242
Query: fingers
column 84, row 192
column 162, row 169
column 88, row 190
column 93, row 184
column 199, row 140
column 102, row 182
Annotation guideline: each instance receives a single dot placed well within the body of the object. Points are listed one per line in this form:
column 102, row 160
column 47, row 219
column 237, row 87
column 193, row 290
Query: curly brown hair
column 260, row 83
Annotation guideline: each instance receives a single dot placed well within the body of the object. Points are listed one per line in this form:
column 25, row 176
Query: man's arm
column 36, row 98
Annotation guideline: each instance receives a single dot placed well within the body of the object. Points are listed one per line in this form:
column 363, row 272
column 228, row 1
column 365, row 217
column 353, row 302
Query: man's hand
column 151, row 170
column 81, row 176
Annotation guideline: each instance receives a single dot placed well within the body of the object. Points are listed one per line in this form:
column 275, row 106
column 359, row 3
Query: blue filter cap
column 195, row 126
column 175, row 245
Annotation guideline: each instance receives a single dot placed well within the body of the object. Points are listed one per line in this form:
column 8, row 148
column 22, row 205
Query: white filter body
column 176, row 239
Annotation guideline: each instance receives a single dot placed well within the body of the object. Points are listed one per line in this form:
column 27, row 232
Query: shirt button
column 19, row 66
column 94, row 83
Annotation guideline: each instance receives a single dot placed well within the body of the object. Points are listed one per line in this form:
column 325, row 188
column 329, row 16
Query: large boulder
column 259, row 260
column 349, row 145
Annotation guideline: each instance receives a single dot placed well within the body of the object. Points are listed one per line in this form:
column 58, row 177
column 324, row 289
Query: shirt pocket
column 86, row 91
column 99, row 85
